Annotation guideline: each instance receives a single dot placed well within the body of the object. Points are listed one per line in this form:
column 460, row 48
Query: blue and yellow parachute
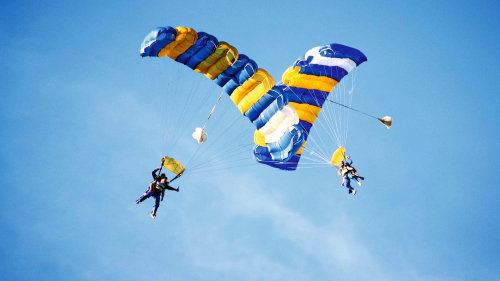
column 282, row 113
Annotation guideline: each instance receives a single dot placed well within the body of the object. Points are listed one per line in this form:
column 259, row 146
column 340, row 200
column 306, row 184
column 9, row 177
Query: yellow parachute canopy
column 338, row 155
column 172, row 165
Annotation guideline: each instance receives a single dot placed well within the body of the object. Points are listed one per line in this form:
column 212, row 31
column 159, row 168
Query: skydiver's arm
column 154, row 173
column 169, row 187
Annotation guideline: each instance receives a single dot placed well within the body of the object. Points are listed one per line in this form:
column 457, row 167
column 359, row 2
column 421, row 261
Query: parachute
column 173, row 165
column 251, row 88
column 307, row 85
column 338, row 156
column 283, row 113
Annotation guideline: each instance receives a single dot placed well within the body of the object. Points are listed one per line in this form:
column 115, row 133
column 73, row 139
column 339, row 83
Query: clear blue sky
column 84, row 120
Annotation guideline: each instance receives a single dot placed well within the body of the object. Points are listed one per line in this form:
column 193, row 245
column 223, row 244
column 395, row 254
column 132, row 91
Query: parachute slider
column 200, row 135
column 387, row 121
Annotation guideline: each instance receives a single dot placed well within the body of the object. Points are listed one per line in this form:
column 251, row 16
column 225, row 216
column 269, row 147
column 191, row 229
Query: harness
column 160, row 186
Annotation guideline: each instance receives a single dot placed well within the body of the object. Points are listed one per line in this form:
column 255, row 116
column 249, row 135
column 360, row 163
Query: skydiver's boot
column 350, row 191
column 354, row 192
column 137, row 201
column 153, row 215
column 177, row 189
column 359, row 183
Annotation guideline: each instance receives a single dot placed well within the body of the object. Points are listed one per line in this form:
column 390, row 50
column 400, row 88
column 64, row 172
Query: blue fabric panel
column 287, row 153
column 203, row 40
column 266, row 100
column 343, row 52
column 222, row 79
column 262, row 156
column 315, row 97
column 247, row 72
column 209, row 44
column 269, row 112
column 157, row 40
column 290, row 141
column 229, row 73
column 306, row 128
column 240, row 77
column 230, row 86
column 301, row 95
column 334, row 72
column 284, row 143
column 239, row 65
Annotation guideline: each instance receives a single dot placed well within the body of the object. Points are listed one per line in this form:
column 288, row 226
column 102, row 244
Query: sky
column 84, row 120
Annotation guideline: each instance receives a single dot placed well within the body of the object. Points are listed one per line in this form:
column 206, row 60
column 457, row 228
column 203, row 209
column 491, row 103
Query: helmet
column 163, row 176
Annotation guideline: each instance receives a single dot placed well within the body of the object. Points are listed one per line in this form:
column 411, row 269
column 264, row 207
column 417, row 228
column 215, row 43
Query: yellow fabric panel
column 259, row 139
column 260, row 77
column 299, row 152
column 231, row 55
column 306, row 112
column 292, row 78
column 338, row 155
column 172, row 165
column 254, row 95
column 289, row 72
column 221, row 52
column 186, row 37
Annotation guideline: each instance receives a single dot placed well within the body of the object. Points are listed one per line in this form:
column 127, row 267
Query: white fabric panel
column 273, row 123
column 278, row 133
column 346, row 64
column 276, row 127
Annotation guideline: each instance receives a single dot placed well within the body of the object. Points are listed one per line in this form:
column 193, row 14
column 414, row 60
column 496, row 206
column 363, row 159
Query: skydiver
column 348, row 165
column 346, row 180
column 156, row 188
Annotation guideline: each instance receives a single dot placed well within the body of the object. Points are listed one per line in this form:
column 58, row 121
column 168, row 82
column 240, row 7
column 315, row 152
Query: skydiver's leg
column 347, row 182
column 145, row 196
column 351, row 190
column 155, row 207
column 356, row 179
column 358, row 176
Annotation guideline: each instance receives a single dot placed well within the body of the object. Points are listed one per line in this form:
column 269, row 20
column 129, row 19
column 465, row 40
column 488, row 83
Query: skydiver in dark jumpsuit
column 156, row 188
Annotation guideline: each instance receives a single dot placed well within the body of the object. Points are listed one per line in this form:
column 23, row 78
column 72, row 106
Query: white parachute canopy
column 200, row 135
